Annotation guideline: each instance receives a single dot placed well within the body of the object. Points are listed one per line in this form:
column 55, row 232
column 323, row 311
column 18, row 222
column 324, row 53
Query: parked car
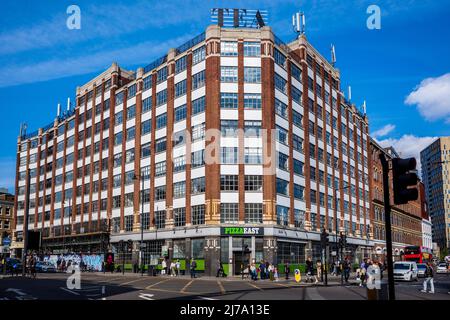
column 442, row 268
column 13, row 265
column 44, row 266
column 421, row 269
column 406, row 271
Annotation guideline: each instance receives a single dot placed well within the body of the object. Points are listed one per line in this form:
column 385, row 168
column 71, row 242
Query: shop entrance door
column 238, row 261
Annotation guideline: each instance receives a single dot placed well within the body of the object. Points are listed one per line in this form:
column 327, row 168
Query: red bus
column 418, row 254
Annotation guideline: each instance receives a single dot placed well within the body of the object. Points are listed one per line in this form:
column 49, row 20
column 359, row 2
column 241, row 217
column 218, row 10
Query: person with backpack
column 310, row 271
column 429, row 273
column 193, row 267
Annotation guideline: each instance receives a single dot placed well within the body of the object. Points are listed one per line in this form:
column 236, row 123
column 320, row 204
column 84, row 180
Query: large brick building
column 6, row 220
column 406, row 219
column 238, row 96
column 435, row 161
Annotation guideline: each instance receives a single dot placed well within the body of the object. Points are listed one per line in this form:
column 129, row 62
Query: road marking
column 70, row 291
column 313, row 294
column 128, row 282
column 222, row 289
column 254, row 286
column 205, row 298
column 152, row 285
column 187, row 285
column 282, row 285
column 146, row 296
column 17, row 291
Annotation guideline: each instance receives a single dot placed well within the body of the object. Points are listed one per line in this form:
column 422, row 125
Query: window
column 282, row 135
column 297, row 143
column 252, row 49
column 161, row 121
column 228, row 100
column 146, row 127
column 118, row 119
column 282, row 187
column 180, row 64
column 180, row 113
column 198, row 55
column 180, row 88
column 229, row 212
column 228, row 74
column 229, row 128
column 131, row 91
column 160, row 219
column 198, row 158
column 298, row 191
column 228, row 48
column 296, row 95
column 146, row 104
column 229, row 183
column 131, row 112
column 160, row 145
column 298, row 167
column 179, row 215
column 198, row 80
column 129, row 155
column 161, row 97
column 282, row 215
column 253, row 183
column 253, row 213
column 251, row 101
column 252, row 74
column 280, row 59
column 198, row 214
column 147, row 82
column 296, row 73
column 161, row 75
column 145, row 172
column 280, row 108
column 179, row 138
column 131, row 132
column 179, row 189
column 229, row 155
column 160, row 168
column 179, row 164
column 283, row 161
column 160, row 193
column 118, row 138
column 198, row 185
column 198, row 132
column 117, row 159
column 119, row 98
column 253, row 155
column 117, row 181
column 252, row 128
column 198, row 105
column 280, row 83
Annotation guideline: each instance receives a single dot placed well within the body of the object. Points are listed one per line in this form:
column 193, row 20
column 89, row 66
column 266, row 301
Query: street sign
column 298, row 276
column 6, row 241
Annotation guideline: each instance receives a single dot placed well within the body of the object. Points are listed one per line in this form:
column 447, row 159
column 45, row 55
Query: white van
column 405, row 270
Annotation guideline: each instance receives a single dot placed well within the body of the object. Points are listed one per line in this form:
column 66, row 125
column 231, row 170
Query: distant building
column 6, row 219
column 435, row 161
column 406, row 219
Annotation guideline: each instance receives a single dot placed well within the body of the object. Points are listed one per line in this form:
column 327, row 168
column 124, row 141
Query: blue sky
column 402, row 70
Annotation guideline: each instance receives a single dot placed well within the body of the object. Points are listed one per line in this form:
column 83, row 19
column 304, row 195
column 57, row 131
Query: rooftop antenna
column 333, row 55
column 349, row 93
column 364, row 107
column 299, row 23
column 58, row 110
column 68, row 104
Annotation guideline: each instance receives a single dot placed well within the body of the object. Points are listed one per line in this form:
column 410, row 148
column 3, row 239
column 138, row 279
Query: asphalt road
column 98, row 286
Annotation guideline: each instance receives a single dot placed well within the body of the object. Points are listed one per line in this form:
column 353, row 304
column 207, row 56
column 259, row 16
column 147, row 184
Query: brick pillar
column 212, row 170
column 241, row 176
column 189, row 131
column 137, row 153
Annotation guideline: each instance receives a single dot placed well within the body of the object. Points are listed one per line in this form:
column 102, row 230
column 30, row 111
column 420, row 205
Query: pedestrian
column 163, row 266
column 319, row 269
column 219, row 268
column 172, row 269
column 177, row 267
column 33, row 267
column 286, row 270
column 310, row 271
column 253, row 272
column 193, row 267
column 429, row 273
column 271, row 272
column 267, row 270
column 346, row 269
column 262, row 270
column 275, row 273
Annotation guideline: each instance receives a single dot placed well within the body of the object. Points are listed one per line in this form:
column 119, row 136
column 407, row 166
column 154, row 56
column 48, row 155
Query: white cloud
column 96, row 62
column 7, row 173
column 432, row 98
column 384, row 131
column 408, row 146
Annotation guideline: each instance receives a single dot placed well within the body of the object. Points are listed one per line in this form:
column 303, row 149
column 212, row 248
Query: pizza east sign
column 242, row 231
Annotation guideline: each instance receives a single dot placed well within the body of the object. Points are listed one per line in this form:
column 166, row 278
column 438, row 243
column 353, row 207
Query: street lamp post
column 339, row 257
column 141, row 225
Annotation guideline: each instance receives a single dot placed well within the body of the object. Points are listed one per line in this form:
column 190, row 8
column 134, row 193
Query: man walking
column 193, row 266
column 429, row 272
column 286, row 270
column 346, row 268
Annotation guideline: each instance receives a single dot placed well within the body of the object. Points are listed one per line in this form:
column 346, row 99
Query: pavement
column 99, row 286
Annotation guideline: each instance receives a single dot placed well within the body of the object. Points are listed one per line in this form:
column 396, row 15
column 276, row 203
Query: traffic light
column 324, row 238
column 342, row 240
column 130, row 245
column 402, row 179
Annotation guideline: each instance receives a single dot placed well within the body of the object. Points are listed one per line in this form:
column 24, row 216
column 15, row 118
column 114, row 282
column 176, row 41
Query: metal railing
column 191, row 43
column 155, row 64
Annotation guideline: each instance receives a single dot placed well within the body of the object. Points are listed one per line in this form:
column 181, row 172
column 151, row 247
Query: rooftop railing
column 155, row 64
column 191, row 43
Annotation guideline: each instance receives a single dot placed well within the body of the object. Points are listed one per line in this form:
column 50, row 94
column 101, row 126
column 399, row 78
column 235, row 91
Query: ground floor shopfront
column 232, row 246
